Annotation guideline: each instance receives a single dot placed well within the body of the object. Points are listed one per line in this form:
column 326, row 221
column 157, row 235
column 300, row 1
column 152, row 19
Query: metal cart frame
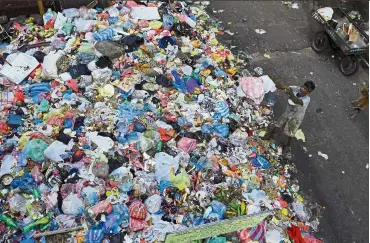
column 350, row 61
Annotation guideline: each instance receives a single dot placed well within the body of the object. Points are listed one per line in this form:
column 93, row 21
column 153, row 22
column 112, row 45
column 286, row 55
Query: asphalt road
column 341, row 183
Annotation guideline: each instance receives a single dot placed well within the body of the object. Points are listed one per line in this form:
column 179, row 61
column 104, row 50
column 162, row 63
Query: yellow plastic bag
column 181, row 181
column 299, row 135
column 155, row 25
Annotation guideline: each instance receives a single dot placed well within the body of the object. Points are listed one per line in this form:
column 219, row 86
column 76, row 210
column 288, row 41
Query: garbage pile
column 129, row 123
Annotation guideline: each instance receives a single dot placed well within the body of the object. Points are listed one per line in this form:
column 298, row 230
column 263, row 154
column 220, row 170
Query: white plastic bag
column 102, row 75
column 163, row 164
column 83, row 25
column 72, row 205
column 71, row 12
column 103, row 143
column 55, row 150
column 153, row 203
column 49, row 66
column 61, row 19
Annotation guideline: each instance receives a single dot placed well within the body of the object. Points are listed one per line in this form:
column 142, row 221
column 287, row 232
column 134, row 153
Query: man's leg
column 273, row 128
column 289, row 131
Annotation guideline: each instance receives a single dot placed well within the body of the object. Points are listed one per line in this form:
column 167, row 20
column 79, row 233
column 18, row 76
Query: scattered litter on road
column 291, row 4
column 367, row 166
column 260, row 31
column 258, row 70
column 295, row 5
column 229, row 32
column 218, row 11
column 267, row 56
column 325, row 156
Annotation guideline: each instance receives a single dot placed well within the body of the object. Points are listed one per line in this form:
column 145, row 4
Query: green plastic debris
column 35, row 149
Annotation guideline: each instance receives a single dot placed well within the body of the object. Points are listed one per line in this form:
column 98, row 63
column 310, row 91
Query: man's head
column 307, row 88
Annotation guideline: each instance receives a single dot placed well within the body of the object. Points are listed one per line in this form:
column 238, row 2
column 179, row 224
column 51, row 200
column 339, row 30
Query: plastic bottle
column 48, row 15
column 42, row 222
column 8, row 221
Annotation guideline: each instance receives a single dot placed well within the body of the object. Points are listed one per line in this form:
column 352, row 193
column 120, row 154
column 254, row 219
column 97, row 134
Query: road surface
column 341, row 183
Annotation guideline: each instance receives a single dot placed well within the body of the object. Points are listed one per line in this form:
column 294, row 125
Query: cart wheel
column 349, row 65
column 320, row 41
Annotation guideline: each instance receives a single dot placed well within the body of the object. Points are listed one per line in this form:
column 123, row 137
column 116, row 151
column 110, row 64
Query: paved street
column 340, row 184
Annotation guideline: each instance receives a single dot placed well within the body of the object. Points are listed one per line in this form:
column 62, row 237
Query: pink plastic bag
column 256, row 233
column 102, row 207
column 187, row 144
column 136, row 224
column 253, row 88
column 310, row 239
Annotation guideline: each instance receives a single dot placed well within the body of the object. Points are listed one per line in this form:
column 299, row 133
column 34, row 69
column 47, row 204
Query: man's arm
column 293, row 97
column 280, row 85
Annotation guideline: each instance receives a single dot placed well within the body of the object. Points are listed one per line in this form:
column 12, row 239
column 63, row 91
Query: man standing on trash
column 293, row 116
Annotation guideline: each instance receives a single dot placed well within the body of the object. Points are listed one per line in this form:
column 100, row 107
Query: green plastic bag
column 35, row 150
column 217, row 240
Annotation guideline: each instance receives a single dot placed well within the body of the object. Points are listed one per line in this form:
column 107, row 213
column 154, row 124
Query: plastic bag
column 216, row 211
column 260, row 162
column 137, row 210
column 60, row 20
column 101, row 170
column 145, row 143
column 168, row 21
column 221, row 130
column 101, row 207
column 95, row 234
column 106, row 34
column 102, row 75
column 187, row 144
column 35, row 150
column 90, row 195
column 83, row 25
column 273, row 236
column 163, row 164
column 222, row 108
column 49, row 65
column 256, row 233
column 71, row 12
column 256, row 196
column 55, row 150
column 110, row 49
column 72, row 205
column 301, row 211
column 17, row 203
column 252, row 88
column 136, row 225
column 179, row 84
column 181, row 181
column 216, row 240
column 153, row 203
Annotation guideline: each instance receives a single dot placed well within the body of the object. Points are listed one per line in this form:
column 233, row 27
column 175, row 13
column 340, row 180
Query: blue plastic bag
column 95, row 234
column 179, row 84
column 260, row 162
column 221, row 130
